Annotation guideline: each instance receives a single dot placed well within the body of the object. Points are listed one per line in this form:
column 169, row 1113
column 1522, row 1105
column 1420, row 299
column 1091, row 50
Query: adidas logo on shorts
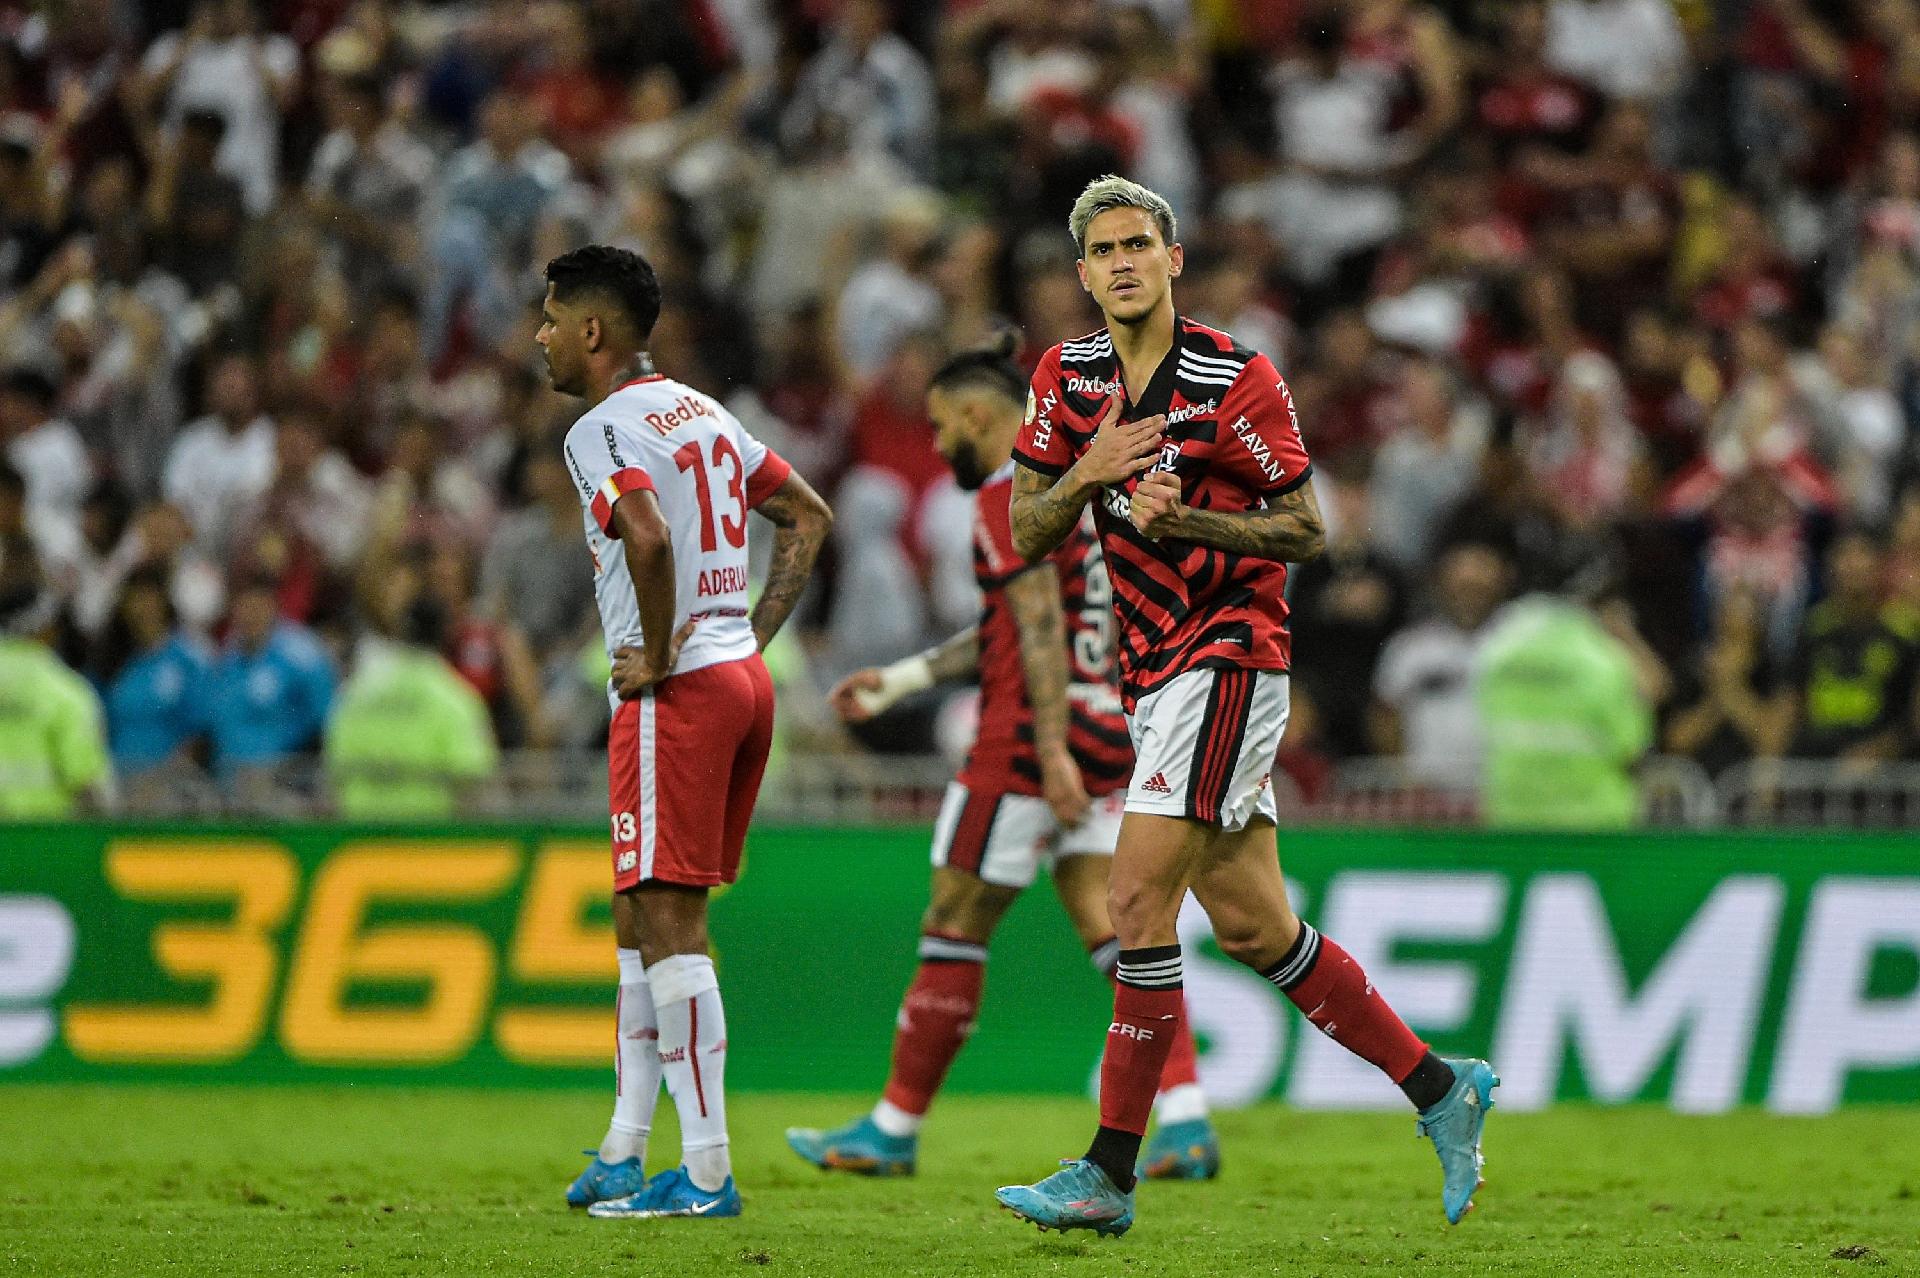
column 1157, row 784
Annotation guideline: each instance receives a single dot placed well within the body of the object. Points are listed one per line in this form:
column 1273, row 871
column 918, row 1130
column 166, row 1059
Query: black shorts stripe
column 1216, row 751
column 972, row 832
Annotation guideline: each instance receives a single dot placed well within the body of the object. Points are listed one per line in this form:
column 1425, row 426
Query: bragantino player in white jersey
column 666, row 477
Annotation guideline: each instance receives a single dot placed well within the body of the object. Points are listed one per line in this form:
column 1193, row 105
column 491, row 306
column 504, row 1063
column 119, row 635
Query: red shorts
column 684, row 764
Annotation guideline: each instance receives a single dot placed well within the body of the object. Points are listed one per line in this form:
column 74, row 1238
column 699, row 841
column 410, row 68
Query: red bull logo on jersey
column 685, row 410
column 1270, row 466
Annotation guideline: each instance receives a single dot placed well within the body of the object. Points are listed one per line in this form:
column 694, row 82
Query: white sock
column 636, row 1065
column 894, row 1121
column 1181, row 1104
column 693, row 1054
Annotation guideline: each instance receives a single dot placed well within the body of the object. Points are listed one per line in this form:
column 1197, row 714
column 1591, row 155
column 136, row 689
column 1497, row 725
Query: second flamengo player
column 1042, row 785
column 1185, row 444
column 666, row 477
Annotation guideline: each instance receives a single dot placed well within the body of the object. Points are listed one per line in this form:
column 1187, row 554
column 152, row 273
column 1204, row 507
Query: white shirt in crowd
column 54, row 463
column 1426, row 675
column 214, row 473
column 224, row 77
column 1623, row 48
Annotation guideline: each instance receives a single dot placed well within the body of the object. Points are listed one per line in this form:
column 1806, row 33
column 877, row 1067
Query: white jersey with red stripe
column 706, row 472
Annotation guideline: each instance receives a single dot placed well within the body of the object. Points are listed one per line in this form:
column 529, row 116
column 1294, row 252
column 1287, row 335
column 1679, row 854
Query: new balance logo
column 1156, row 784
column 1130, row 1031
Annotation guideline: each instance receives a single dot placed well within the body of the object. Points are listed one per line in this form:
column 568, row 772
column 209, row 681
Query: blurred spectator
column 1426, row 466
column 871, row 82
column 315, row 498
column 1849, row 692
column 367, row 183
column 1565, row 719
column 223, row 64
column 1335, row 199
column 1631, row 49
column 48, row 455
column 1585, row 452
column 536, row 574
column 1424, row 710
column 53, row 748
column 500, row 192
column 408, row 735
column 222, row 462
column 1345, row 606
column 890, row 296
column 196, row 211
column 1722, row 706
column 268, row 692
column 153, row 672
column 490, row 653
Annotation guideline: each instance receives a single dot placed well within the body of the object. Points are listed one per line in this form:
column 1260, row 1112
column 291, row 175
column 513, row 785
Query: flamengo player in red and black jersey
column 666, row 477
column 1186, row 447
column 1042, row 786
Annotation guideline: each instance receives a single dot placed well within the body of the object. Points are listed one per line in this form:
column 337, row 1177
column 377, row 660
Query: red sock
column 1183, row 1061
column 1324, row 982
column 935, row 1018
column 1146, row 1019
column 1183, row 1058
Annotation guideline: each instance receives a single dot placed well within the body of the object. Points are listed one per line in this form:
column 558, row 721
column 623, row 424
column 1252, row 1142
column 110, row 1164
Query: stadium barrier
column 1698, row 970
column 841, row 788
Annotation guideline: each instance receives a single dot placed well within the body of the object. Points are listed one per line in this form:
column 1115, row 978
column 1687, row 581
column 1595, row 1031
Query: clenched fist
column 1156, row 508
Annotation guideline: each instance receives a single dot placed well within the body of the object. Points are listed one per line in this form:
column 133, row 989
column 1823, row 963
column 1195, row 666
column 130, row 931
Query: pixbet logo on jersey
column 1191, row 411
column 684, row 410
column 1093, row 386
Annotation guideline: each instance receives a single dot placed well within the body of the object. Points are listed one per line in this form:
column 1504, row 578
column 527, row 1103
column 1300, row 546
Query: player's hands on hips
column 847, row 700
column 1063, row 789
column 1156, row 507
column 633, row 674
column 1120, row 450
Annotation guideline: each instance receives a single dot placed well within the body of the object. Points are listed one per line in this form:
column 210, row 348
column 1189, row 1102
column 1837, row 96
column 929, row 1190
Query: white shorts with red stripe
column 684, row 763
column 1005, row 839
column 1204, row 745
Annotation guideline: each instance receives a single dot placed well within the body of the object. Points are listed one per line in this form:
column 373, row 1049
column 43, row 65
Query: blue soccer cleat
column 1453, row 1124
column 601, row 1181
column 1182, row 1151
column 1078, row 1196
column 859, row 1147
column 671, row 1193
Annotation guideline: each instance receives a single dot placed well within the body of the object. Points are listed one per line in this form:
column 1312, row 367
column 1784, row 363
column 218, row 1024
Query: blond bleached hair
column 1115, row 192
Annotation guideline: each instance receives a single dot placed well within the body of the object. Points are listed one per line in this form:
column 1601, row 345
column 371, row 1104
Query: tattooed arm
column 801, row 520
column 1045, row 511
column 1289, row 531
column 1035, row 599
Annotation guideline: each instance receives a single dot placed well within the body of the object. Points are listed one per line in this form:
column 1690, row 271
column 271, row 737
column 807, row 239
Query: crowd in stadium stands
column 1616, row 299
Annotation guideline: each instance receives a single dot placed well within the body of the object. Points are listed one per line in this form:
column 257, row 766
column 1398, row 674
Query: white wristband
column 901, row 679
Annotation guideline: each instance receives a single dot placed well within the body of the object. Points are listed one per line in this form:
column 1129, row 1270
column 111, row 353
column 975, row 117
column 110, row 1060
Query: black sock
column 1115, row 1152
column 1431, row 1080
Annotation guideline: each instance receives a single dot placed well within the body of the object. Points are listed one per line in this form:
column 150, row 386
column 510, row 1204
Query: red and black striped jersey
column 1003, row 759
column 1234, row 442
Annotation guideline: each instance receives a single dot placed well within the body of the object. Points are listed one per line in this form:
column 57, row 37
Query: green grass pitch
column 215, row 1181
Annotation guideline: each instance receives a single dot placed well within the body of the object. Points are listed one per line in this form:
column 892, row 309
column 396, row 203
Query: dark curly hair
column 988, row 367
column 623, row 277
